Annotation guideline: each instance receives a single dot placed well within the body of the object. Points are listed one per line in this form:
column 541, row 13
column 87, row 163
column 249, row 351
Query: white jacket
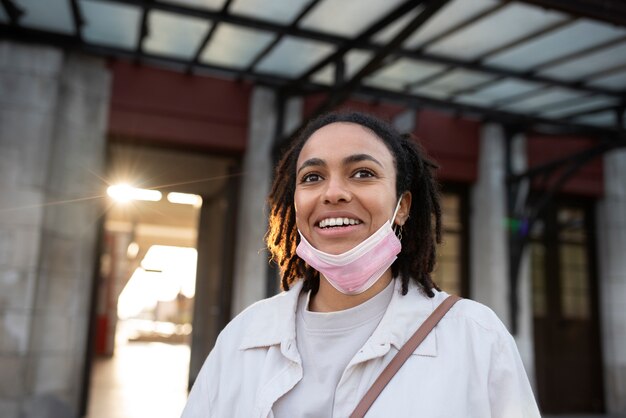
column 468, row 366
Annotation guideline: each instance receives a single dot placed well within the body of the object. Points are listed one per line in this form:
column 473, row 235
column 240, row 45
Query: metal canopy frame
column 608, row 11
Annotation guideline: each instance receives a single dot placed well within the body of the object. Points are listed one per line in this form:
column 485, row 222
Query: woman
column 354, row 222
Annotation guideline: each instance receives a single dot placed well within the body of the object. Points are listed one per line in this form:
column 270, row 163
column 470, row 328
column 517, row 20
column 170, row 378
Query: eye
column 310, row 178
column 363, row 173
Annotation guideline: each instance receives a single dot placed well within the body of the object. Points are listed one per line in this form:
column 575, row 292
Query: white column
column 251, row 258
column 52, row 135
column 489, row 243
column 489, row 250
column 611, row 223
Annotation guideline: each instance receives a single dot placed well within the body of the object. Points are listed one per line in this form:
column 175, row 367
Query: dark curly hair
column 414, row 173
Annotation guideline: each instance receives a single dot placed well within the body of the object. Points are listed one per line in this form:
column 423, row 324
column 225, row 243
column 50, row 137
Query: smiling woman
column 354, row 222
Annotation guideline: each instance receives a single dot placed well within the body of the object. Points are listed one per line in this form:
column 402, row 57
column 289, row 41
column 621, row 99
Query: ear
column 404, row 210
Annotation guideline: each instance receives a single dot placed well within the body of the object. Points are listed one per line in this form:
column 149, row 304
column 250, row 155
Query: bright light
column 132, row 250
column 164, row 273
column 125, row 193
column 185, row 199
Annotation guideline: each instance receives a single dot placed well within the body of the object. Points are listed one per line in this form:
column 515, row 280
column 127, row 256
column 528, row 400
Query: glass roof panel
column 585, row 104
column 235, row 46
column 547, row 97
column 451, row 15
column 600, row 119
column 615, row 81
column 459, row 79
column 52, row 15
column 278, row 11
column 501, row 90
column 402, row 72
column 510, row 23
column 177, row 36
column 346, row 17
column 589, row 64
column 293, row 56
column 355, row 60
column 571, row 38
column 110, row 24
column 203, row 4
column 385, row 35
column 431, row 91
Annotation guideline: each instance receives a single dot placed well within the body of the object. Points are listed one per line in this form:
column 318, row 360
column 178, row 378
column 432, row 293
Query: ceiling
column 562, row 65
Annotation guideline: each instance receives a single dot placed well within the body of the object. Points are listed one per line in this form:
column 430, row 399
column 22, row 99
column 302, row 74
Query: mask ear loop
column 397, row 227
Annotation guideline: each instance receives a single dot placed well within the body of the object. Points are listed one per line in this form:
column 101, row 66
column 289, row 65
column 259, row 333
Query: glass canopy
column 476, row 56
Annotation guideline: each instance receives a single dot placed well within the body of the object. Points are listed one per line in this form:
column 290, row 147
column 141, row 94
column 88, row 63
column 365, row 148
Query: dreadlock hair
column 414, row 173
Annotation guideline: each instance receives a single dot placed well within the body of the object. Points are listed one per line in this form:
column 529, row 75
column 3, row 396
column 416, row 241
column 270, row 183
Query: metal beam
column 412, row 100
column 593, row 111
column 529, row 213
column 341, row 93
column 365, row 44
column 578, row 54
column 310, row 6
column 529, row 37
column 78, row 19
column 610, row 11
column 363, row 37
column 207, row 39
column 144, row 31
column 14, row 12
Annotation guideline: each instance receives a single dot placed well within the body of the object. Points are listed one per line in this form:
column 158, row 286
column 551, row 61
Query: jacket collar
column 274, row 322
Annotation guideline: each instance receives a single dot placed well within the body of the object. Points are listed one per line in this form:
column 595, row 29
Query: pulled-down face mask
column 356, row 270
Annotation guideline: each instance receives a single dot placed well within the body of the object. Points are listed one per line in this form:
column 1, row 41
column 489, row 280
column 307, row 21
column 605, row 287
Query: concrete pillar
column 611, row 223
column 489, row 245
column 489, row 253
column 52, row 136
column 251, row 258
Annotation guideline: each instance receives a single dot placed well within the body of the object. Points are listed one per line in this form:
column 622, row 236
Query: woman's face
column 345, row 187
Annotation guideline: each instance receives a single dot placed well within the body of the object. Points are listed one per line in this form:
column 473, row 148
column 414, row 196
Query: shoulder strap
column 405, row 352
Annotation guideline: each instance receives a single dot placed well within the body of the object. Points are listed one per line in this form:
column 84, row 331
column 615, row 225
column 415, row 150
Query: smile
column 329, row 222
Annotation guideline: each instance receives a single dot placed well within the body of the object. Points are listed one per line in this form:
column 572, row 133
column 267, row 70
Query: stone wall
column 52, row 137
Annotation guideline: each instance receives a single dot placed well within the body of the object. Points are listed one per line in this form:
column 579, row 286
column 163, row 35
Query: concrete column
column 28, row 97
column 251, row 255
column 489, row 239
column 52, row 135
column 489, row 245
column 611, row 223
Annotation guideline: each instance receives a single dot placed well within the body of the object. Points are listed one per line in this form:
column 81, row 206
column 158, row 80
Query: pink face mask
column 356, row 270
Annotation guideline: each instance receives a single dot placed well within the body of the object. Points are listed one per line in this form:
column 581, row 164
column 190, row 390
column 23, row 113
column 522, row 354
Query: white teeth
column 338, row 222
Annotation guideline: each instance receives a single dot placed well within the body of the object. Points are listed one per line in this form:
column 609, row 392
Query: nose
column 336, row 191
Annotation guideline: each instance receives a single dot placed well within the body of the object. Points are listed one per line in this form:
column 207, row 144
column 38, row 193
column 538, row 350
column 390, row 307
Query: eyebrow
column 355, row 158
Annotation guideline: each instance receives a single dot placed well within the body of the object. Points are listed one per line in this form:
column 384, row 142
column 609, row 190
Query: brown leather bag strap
column 405, row 352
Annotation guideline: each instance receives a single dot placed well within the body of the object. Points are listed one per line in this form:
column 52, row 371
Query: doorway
column 565, row 310
column 164, row 207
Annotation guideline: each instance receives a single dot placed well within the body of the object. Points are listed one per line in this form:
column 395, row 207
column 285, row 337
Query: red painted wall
column 452, row 142
column 589, row 181
column 170, row 108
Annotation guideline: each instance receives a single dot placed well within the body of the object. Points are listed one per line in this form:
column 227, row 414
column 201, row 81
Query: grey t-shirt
column 327, row 341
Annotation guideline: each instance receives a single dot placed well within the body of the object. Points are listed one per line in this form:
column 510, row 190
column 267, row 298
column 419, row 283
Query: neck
column 329, row 299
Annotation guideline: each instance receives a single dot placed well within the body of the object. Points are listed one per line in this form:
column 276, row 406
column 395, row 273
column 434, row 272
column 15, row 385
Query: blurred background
column 137, row 140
